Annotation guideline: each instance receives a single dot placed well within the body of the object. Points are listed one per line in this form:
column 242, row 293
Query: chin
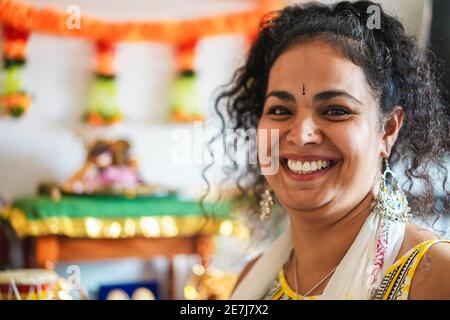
column 305, row 201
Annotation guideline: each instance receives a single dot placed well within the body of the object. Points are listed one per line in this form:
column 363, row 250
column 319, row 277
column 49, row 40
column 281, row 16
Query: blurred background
column 106, row 107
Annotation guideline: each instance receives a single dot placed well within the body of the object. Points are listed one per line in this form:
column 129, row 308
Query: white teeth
column 307, row 166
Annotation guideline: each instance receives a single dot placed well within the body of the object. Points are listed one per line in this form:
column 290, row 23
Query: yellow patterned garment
column 394, row 286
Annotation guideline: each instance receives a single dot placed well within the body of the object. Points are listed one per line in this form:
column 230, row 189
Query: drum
column 28, row 284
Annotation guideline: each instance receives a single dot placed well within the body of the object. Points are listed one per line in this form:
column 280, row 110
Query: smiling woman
column 345, row 100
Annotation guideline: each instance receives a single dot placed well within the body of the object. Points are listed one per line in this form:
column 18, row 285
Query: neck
column 321, row 241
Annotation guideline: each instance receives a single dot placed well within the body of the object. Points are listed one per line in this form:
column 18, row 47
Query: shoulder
column 245, row 271
column 415, row 235
column 431, row 279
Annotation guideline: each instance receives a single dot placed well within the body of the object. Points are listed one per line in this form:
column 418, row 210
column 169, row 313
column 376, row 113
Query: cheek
column 260, row 149
column 267, row 138
column 268, row 148
column 360, row 147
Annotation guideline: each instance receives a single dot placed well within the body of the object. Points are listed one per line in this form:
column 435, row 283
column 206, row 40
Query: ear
column 391, row 127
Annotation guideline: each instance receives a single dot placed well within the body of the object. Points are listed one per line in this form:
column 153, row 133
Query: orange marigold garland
column 53, row 21
column 14, row 101
column 103, row 108
column 185, row 105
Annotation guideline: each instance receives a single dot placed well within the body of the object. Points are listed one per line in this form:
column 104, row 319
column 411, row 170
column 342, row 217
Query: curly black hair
column 396, row 68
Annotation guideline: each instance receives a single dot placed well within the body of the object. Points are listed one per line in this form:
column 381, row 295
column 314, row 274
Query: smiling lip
column 307, row 176
column 307, row 157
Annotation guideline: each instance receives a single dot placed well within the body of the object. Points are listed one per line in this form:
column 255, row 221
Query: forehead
column 320, row 67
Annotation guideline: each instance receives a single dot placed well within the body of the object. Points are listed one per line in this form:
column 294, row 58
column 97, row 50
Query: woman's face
column 330, row 142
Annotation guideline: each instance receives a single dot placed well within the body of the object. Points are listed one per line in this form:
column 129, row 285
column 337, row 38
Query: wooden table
column 45, row 251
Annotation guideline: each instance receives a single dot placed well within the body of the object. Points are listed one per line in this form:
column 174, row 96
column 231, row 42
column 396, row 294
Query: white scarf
column 359, row 272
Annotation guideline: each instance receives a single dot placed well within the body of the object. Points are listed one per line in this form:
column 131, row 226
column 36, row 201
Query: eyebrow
column 322, row 96
column 330, row 94
column 282, row 95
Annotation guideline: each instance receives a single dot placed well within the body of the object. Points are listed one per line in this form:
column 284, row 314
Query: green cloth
column 41, row 207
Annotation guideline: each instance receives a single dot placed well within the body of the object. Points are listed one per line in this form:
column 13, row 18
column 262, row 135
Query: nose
column 303, row 131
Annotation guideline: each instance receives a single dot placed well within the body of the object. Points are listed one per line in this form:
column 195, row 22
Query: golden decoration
column 209, row 284
column 114, row 228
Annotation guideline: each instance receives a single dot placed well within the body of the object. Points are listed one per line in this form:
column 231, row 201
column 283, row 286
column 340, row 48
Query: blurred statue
column 107, row 169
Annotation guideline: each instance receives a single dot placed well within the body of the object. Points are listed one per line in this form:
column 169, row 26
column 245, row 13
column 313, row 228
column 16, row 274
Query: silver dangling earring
column 392, row 204
column 266, row 204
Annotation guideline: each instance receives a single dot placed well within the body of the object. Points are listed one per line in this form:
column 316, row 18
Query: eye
column 278, row 111
column 337, row 111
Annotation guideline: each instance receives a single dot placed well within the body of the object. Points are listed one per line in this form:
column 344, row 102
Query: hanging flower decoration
column 185, row 105
column 103, row 108
column 14, row 101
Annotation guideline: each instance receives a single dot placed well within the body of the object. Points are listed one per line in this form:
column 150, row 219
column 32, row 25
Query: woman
column 346, row 98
